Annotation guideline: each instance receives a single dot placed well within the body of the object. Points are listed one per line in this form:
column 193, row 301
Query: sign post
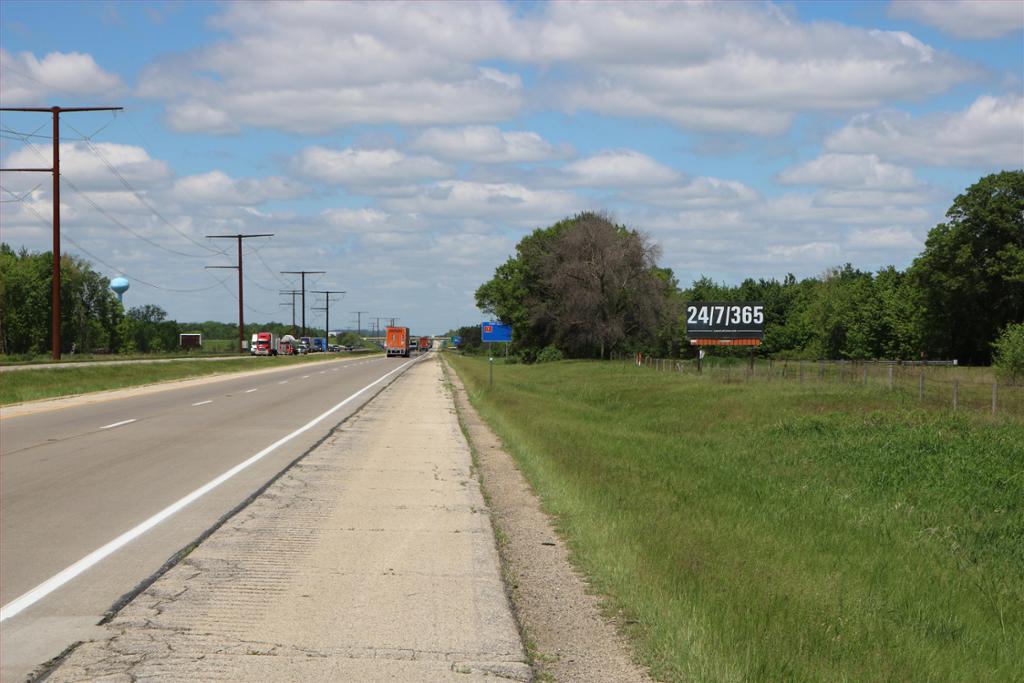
column 490, row 332
column 725, row 323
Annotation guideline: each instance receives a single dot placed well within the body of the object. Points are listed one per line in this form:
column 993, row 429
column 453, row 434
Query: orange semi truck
column 424, row 344
column 396, row 343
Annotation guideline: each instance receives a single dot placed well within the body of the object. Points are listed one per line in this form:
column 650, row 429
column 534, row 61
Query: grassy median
column 775, row 531
column 52, row 382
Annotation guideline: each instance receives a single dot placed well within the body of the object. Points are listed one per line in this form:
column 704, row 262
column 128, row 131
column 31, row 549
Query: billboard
column 725, row 322
column 495, row 332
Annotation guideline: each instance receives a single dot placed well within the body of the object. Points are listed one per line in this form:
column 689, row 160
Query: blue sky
column 405, row 149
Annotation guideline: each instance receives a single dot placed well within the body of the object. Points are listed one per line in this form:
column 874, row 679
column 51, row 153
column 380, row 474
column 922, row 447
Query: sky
column 406, row 148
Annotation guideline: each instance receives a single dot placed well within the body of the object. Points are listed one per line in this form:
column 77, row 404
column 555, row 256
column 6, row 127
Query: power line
column 142, row 199
column 114, row 269
column 121, row 225
column 110, row 217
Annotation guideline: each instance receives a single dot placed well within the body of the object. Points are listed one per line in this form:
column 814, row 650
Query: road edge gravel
column 567, row 635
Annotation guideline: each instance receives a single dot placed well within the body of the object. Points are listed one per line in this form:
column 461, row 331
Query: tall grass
column 778, row 531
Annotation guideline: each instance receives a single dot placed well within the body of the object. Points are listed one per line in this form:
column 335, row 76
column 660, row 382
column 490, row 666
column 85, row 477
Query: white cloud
column 487, row 145
column 216, row 187
column 499, row 201
column 849, row 171
column 618, row 168
column 28, row 80
column 197, row 117
column 884, row 238
column 989, row 134
column 731, row 66
column 86, row 167
column 366, row 166
column 317, row 67
column 964, row 18
column 700, row 192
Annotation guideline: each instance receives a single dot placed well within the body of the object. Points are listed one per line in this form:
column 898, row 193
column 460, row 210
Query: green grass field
column 30, row 385
column 777, row 531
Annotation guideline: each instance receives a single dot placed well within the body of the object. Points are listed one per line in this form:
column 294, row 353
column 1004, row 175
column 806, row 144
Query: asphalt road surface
column 104, row 477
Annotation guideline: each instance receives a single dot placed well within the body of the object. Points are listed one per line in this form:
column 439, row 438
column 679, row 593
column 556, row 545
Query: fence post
column 994, row 397
column 920, row 386
column 865, row 374
column 801, row 372
column 890, row 377
column 956, row 394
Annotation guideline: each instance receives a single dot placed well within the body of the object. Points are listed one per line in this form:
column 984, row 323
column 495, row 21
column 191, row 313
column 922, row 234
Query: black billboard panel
column 725, row 320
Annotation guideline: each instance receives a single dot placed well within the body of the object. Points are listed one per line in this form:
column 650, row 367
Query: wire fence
column 935, row 383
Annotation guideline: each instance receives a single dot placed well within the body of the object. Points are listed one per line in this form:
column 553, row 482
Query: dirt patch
column 568, row 637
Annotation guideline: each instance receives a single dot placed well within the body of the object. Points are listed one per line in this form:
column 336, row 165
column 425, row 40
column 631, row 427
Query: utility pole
column 303, row 273
column 55, row 170
column 327, row 308
column 359, row 322
column 292, row 292
column 241, row 295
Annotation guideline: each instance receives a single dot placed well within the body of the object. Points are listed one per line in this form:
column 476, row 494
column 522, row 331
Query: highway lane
column 73, row 479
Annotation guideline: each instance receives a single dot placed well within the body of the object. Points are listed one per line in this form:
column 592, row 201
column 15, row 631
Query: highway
column 85, row 490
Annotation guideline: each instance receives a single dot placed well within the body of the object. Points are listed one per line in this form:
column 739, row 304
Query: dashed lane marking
column 118, row 424
column 202, row 403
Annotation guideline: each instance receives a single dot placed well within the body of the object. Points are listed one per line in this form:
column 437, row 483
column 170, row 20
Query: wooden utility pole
column 55, row 170
column 241, row 295
column 303, row 273
column 327, row 309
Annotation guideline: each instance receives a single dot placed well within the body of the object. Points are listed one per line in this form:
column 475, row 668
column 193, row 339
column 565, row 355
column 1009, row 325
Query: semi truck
column 266, row 344
column 424, row 343
column 396, row 343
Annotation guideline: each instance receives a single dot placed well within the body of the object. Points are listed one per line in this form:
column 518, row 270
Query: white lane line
column 284, row 381
column 305, row 377
column 62, row 577
column 118, row 424
column 202, row 403
column 249, row 391
column 323, row 372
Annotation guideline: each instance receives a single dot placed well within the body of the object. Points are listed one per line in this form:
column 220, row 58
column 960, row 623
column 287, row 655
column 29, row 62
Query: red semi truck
column 396, row 343
column 266, row 344
column 424, row 343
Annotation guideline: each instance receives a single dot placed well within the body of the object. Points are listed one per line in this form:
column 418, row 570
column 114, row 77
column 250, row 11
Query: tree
column 91, row 313
column 149, row 330
column 24, row 301
column 587, row 286
column 1009, row 356
column 601, row 287
column 971, row 273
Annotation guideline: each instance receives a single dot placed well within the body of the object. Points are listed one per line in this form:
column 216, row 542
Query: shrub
column 549, row 354
column 1009, row 353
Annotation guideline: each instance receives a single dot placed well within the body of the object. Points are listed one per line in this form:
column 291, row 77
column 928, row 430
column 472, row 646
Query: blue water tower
column 119, row 285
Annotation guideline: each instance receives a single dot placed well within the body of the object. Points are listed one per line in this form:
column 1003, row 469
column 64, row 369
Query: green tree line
column 92, row 320
column 589, row 288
